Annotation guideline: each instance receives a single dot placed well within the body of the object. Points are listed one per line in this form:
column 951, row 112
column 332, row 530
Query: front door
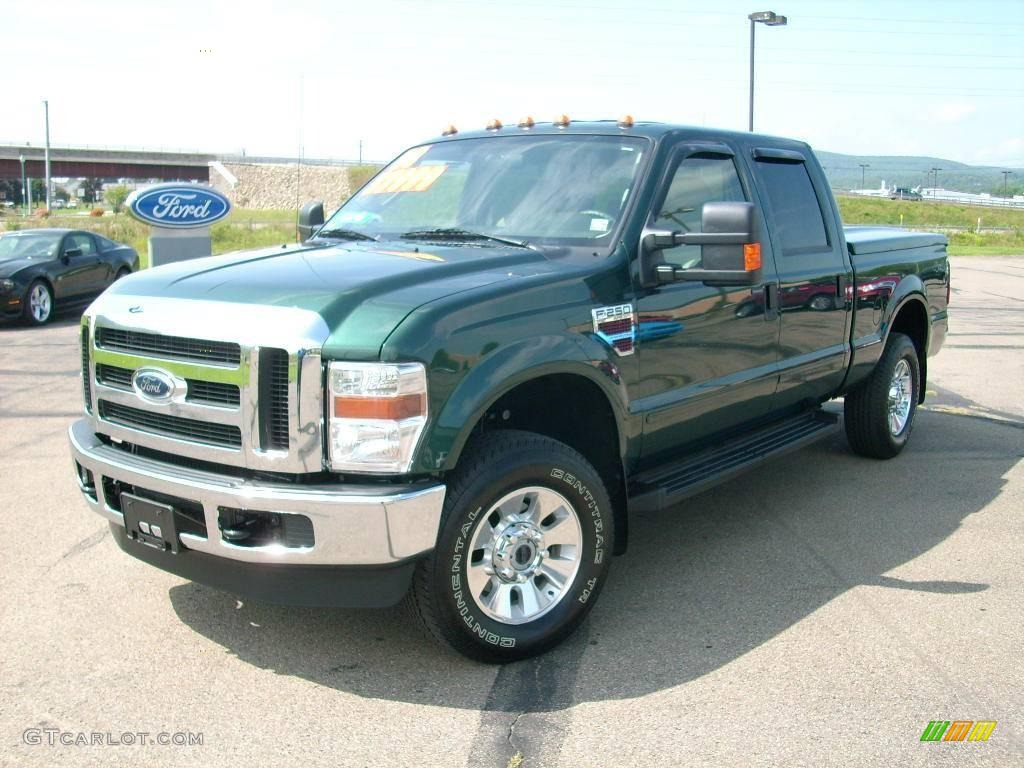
column 83, row 274
column 707, row 355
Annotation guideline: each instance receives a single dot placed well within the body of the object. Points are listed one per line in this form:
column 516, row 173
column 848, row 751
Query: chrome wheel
column 901, row 393
column 40, row 303
column 524, row 555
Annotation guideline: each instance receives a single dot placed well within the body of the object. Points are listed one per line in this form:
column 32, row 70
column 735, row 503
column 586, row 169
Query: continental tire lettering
column 591, row 504
column 468, row 618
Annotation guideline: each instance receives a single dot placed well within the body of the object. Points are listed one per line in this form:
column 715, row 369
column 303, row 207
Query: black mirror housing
column 311, row 218
column 72, row 253
column 727, row 228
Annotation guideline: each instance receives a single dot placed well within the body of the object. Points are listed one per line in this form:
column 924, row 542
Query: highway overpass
column 104, row 163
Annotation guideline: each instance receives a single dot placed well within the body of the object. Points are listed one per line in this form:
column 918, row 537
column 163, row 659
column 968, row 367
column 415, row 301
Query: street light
column 936, row 186
column 769, row 19
column 46, row 108
column 1006, row 174
column 24, row 186
column 862, row 167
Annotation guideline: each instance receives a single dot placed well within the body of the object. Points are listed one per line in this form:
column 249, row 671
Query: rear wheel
column 524, row 549
column 122, row 272
column 879, row 414
column 38, row 304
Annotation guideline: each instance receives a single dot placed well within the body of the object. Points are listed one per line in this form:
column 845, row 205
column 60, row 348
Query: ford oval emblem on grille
column 153, row 384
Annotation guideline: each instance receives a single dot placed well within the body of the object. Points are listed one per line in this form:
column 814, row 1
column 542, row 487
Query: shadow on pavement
column 701, row 585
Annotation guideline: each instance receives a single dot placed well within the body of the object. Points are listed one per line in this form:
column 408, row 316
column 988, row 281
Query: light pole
column 46, row 108
column 770, row 19
column 936, row 186
column 862, row 167
column 1006, row 175
column 24, row 186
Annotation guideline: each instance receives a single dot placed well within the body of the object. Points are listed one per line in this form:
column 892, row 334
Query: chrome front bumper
column 352, row 524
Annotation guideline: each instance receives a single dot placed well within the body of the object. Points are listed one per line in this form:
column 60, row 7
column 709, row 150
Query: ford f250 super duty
column 470, row 381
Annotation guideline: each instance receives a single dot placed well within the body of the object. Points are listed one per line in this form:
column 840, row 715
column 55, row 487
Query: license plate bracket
column 150, row 523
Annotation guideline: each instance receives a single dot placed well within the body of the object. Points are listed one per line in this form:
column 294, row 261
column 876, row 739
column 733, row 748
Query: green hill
column 844, row 173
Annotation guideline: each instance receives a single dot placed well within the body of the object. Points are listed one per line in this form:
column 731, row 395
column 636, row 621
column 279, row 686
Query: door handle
column 771, row 301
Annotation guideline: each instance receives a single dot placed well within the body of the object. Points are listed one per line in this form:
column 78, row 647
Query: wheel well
column 573, row 410
column 912, row 320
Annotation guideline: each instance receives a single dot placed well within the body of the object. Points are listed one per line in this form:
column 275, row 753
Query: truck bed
column 864, row 240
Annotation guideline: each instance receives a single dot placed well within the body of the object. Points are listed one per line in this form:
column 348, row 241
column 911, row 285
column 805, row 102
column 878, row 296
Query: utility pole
column 360, row 151
column 1005, row 176
column 936, row 185
column 46, row 108
column 862, row 167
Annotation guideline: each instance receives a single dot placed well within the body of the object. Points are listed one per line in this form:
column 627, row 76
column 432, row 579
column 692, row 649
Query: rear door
column 707, row 355
column 812, row 271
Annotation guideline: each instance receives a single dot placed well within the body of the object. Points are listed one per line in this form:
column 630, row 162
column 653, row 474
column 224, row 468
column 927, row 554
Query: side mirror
column 311, row 218
column 728, row 254
column 72, row 253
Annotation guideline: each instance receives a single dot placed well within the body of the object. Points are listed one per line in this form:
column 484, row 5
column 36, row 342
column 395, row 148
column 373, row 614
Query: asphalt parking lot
column 820, row 610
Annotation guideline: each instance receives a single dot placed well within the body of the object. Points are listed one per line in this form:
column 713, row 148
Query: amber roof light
column 562, row 121
column 494, row 125
column 626, row 121
column 527, row 122
column 451, row 130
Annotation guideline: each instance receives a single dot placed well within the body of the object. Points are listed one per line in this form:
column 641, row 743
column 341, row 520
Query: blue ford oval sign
column 178, row 206
column 153, row 384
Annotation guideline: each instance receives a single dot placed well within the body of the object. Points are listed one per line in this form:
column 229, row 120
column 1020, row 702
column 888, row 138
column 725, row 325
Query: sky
column 940, row 78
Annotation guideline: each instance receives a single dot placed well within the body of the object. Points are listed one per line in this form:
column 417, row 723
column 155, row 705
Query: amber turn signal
column 752, row 256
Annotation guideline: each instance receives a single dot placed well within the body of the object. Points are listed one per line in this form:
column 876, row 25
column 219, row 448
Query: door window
column 795, row 207
column 698, row 179
column 83, row 242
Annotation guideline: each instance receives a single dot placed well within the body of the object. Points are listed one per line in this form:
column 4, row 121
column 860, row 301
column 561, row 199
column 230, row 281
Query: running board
column 665, row 486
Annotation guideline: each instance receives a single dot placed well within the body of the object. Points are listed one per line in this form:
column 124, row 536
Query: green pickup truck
column 468, row 383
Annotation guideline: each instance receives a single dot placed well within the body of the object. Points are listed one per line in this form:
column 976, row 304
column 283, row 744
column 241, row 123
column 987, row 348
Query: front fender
column 501, row 370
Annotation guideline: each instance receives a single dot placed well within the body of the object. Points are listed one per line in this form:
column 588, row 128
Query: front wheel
column 39, row 303
column 879, row 413
column 524, row 549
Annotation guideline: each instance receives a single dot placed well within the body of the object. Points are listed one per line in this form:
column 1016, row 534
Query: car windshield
column 19, row 246
column 568, row 190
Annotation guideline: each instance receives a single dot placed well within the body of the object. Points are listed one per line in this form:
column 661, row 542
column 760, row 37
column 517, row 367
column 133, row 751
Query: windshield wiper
column 455, row 234
column 345, row 234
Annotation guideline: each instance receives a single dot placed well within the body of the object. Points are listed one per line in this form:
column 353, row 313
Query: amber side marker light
column 451, row 130
column 752, row 256
column 391, row 408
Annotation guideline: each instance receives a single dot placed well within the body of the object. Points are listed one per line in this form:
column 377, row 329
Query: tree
column 92, row 190
column 115, row 197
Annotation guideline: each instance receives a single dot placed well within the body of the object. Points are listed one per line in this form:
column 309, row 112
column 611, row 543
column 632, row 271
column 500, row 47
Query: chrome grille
column 251, row 397
column 170, row 347
column 202, row 392
column 222, row 435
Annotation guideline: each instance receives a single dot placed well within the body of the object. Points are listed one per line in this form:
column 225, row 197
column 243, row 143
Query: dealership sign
column 178, row 206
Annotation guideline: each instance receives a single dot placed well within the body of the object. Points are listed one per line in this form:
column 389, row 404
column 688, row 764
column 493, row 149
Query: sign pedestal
column 167, row 246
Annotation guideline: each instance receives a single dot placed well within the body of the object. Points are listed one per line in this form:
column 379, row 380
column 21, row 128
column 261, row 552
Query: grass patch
column 874, row 210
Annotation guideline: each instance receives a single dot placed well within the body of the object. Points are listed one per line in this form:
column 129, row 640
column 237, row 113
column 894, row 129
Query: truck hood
column 362, row 291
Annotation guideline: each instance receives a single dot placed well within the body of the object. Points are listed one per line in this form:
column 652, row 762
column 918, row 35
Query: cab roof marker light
column 626, row 121
column 494, row 125
column 451, row 130
column 527, row 122
column 562, row 121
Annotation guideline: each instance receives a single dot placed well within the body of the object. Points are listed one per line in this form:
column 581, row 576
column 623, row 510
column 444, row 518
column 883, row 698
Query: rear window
column 795, row 207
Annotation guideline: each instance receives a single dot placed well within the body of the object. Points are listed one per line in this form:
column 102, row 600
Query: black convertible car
column 44, row 268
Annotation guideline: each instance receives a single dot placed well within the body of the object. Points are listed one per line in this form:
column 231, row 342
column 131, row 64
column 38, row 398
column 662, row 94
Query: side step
column 667, row 485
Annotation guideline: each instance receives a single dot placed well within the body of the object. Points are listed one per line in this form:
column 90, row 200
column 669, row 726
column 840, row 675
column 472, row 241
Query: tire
column 514, row 610
column 879, row 413
column 38, row 303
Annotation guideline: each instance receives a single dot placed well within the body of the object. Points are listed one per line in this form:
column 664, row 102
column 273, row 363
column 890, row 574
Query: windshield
column 22, row 246
column 569, row 190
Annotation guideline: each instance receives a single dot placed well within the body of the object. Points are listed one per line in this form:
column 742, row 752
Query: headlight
column 6, row 285
column 377, row 414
